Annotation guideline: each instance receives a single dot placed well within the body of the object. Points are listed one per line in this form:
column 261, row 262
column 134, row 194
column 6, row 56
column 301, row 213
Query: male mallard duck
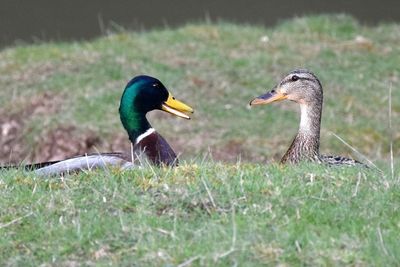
column 141, row 95
column 304, row 88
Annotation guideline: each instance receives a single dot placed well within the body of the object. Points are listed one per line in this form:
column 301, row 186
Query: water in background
column 43, row 20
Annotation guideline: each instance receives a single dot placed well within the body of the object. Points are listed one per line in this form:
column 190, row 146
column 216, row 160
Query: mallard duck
column 141, row 95
column 304, row 88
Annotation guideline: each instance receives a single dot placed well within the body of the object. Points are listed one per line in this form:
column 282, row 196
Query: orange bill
column 269, row 97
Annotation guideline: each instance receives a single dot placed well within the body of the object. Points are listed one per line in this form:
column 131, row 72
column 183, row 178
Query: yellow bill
column 176, row 107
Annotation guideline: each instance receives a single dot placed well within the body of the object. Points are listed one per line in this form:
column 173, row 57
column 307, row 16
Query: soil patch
column 13, row 125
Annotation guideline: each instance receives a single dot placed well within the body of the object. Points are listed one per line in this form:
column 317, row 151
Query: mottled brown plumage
column 304, row 88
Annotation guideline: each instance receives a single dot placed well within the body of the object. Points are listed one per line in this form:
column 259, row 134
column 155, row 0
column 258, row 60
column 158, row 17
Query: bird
column 303, row 87
column 141, row 95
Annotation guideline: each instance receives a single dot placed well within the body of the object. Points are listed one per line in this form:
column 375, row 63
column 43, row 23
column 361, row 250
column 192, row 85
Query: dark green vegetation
column 63, row 99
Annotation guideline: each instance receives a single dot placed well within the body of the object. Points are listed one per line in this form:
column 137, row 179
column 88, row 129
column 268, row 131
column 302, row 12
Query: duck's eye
column 155, row 84
column 295, row 78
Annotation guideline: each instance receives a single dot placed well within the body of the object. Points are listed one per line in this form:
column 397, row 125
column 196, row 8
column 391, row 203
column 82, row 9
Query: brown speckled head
column 304, row 88
column 300, row 86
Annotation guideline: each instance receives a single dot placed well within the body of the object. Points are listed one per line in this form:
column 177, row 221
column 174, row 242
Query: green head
column 141, row 95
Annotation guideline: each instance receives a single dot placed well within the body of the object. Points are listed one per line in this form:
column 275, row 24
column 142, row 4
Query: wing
column 75, row 164
column 29, row 167
column 88, row 162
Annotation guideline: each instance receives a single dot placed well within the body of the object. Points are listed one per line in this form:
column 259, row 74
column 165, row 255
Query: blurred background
column 61, row 20
column 64, row 65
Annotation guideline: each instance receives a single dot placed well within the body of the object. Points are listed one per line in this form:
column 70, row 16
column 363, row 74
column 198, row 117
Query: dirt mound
column 11, row 129
column 68, row 141
column 61, row 142
column 13, row 125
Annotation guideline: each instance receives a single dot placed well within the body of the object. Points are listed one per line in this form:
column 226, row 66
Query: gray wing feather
column 83, row 163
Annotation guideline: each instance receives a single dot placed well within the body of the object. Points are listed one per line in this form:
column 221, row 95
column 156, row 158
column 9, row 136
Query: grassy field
column 213, row 214
column 223, row 206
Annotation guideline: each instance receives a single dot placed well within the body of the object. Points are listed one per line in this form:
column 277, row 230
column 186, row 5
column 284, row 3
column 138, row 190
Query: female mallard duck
column 141, row 95
column 304, row 88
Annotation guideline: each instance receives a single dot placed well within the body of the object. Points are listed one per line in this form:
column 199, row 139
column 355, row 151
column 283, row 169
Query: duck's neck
column 146, row 141
column 137, row 128
column 134, row 121
column 305, row 145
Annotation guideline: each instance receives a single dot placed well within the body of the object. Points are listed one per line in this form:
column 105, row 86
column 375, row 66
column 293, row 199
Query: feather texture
column 304, row 88
column 141, row 95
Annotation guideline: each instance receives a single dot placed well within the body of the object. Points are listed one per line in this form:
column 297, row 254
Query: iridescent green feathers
column 141, row 95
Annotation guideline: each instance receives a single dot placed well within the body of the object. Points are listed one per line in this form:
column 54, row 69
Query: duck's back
column 339, row 160
column 86, row 162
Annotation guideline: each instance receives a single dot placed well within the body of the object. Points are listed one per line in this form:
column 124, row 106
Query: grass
column 217, row 69
column 215, row 214
column 221, row 207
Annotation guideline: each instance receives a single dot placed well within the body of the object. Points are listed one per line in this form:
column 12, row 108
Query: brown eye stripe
column 298, row 78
